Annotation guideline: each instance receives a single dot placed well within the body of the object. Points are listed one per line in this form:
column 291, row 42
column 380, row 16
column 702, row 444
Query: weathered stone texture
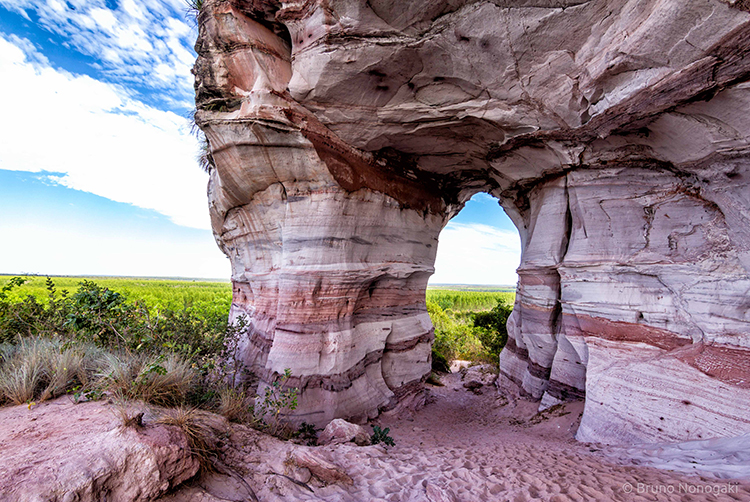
column 345, row 134
column 62, row 451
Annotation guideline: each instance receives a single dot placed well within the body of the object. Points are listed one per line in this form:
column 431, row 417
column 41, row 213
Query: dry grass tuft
column 201, row 437
column 129, row 414
column 236, row 405
column 43, row 368
column 162, row 380
column 37, row 369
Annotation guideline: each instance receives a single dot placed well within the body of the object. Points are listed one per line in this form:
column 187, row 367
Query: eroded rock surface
column 345, row 134
column 59, row 451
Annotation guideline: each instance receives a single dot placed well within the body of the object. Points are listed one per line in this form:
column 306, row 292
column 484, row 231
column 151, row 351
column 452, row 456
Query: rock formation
column 61, row 451
column 344, row 134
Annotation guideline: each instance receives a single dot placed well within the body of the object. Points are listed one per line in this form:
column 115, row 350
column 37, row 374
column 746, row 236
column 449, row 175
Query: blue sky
column 98, row 171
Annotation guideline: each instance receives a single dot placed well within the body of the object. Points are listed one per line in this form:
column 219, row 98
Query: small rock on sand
column 341, row 431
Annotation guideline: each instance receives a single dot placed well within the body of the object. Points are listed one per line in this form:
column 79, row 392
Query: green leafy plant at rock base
column 106, row 318
column 307, row 433
column 275, row 401
column 381, row 436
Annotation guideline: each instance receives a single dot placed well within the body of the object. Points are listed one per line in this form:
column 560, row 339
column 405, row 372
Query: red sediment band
column 520, row 352
column 539, row 371
column 544, row 317
column 339, row 324
column 536, row 370
column 516, row 381
column 342, row 381
column 620, row 331
column 539, row 277
column 354, row 170
column 260, row 341
column 332, row 383
column 730, row 365
column 410, row 387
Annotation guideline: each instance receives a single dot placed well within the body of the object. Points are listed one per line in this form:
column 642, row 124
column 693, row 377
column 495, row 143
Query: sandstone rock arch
column 344, row 134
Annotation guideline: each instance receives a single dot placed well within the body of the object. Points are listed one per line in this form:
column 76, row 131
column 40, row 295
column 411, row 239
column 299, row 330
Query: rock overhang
column 346, row 134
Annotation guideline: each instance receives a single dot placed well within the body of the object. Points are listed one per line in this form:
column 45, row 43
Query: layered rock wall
column 345, row 134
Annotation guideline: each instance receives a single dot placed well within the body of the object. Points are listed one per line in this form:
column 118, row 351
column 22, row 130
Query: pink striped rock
column 344, row 135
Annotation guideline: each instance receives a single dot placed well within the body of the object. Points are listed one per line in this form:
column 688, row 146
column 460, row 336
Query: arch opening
column 471, row 294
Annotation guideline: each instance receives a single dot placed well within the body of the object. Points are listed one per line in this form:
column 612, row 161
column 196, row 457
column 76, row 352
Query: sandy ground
column 461, row 447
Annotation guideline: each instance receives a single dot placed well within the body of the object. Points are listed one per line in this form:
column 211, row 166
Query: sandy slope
column 460, row 447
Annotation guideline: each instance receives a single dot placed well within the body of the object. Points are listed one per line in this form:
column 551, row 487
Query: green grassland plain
column 156, row 294
column 206, row 295
column 451, row 307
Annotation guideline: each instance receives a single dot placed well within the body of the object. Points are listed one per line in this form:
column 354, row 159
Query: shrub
column 476, row 336
column 492, row 327
column 104, row 317
column 276, row 400
column 454, row 337
column 381, row 436
column 439, row 362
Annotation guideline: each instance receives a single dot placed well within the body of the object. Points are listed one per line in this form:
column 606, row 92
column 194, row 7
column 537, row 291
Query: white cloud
column 477, row 254
column 131, row 41
column 105, row 142
column 79, row 251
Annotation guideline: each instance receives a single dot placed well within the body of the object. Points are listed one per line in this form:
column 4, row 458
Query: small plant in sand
column 276, row 400
column 307, row 434
column 381, row 436
column 434, row 379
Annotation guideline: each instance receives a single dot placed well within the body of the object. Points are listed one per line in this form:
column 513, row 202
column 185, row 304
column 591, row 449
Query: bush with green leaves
column 160, row 356
column 381, row 436
column 454, row 335
column 491, row 327
column 475, row 336
column 104, row 317
column 95, row 341
column 277, row 399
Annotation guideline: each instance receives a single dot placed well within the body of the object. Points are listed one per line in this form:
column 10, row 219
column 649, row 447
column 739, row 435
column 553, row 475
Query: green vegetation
column 105, row 318
column 167, row 342
column 381, row 436
column 203, row 297
column 491, row 328
column 172, row 349
column 276, row 400
column 469, row 325
column 194, row 6
column 463, row 301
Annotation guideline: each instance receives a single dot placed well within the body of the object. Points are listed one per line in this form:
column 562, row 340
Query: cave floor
column 462, row 446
